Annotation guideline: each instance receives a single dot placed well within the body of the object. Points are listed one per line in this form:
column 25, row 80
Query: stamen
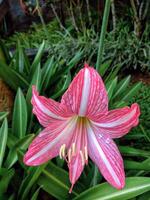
column 73, row 149
column 62, row 151
column 82, row 157
column 69, row 155
column 85, row 153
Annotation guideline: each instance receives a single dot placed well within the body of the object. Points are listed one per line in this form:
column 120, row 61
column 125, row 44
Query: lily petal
column 86, row 95
column 45, row 109
column 76, row 167
column 77, row 153
column 118, row 122
column 104, row 153
column 47, row 144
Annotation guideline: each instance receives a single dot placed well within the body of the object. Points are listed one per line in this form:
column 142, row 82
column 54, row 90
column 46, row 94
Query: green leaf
column 110, row 87
column 3, row 115
column 55, row 181
column 132, row 91
column 36, row 193
column 96, row 177
column 30, row 179
column 104, row 67
column 113, row 72
column 36, row 80
column 75, row 59
column 37, row 58
column 19, row 120
column 3, row 140
column 19, row 58
column 11, row 77
column 21, row 144
column 22, row 61
column 137, row 165
column 133, row 151
column 64, row 87
column 121, row 87
column 47, row 73
column 6, row 178
column 69, row 66
column 134, row 187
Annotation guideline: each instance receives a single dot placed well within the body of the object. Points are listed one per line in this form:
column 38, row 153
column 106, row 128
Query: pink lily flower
column 81, row 125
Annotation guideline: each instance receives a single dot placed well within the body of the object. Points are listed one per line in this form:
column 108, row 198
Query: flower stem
column 103, row 33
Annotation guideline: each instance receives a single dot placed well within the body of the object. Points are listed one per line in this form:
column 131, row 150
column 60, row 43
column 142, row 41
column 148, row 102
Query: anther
column 85, row 153
column 69, row 155
column 82, row 157
column 73, row 149
column 62, row 151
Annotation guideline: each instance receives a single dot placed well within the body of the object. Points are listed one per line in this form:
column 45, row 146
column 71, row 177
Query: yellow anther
column 82, row 157
column 85, row 153
column 73, row 149
column 69, row 155
column 62, row 151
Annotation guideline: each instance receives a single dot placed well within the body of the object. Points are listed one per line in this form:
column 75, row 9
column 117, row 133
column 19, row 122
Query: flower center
column 77, row 143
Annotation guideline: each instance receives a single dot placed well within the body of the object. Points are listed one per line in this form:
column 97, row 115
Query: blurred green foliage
column 121, row 46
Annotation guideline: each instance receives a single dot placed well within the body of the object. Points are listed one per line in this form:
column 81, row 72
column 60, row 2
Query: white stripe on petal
column 65, row 133
column 92, row 138
column 45, row 110
column 85, row 93
column 117, row 122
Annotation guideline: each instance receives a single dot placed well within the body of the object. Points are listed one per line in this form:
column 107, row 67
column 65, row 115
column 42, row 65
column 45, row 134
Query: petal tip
column 33, row 88
column 121, row 186
column 137, row 107
column 86, row 65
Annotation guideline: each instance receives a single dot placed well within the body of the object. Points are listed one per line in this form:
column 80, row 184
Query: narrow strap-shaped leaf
column 3, row 140
column 110, row 86
column 136, row 165
column 6, row 178
column 29, row 180
column 64, row 87
column 19, row 122
column 37, row 58
column 22, row 62
column 133, row 151
column 11, row 77
column 134, row 187
column 104, row 67
column 3, row 115
column 70, row 65
column 21, row 144
column 47, row 73
column 55, row 181
column 132, row 91
column 36, row 193
column 121, row 87
column 36, row 80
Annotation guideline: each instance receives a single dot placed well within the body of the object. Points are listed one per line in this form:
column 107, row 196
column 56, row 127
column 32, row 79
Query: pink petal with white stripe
column 105, row 154
column 75, row 169
column 77, row 153
column 118, row 122
column 47, row 144
column 46, row 110
column 86, row 95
